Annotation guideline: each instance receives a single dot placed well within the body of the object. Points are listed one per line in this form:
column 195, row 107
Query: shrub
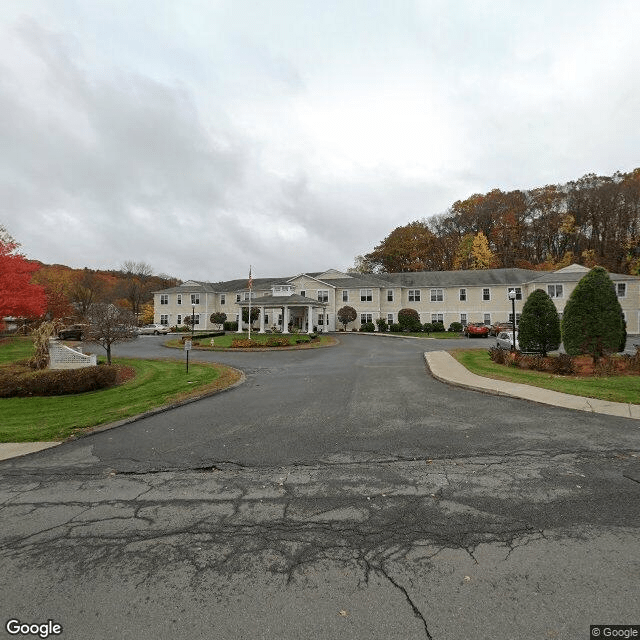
column 563, row 365
column 368, row 326
column 382, row 324
column 55, row 382
column 277, row 341
column 606, row 366
column 230, row 325
column 427, row 327
column 539, row 326
column 244, row 343
column 437, row 326
column 499, row 356
column 346, row 315
column 592, row 319
column 395, row 328
column 409, row 320
column 455, row 327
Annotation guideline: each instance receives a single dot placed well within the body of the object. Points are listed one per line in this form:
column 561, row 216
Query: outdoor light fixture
column 512, row 297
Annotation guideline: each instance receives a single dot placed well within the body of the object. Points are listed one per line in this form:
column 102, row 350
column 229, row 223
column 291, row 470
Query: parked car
column 153, row 329
column 72, row 332
column 504, row 340
column 501, row 326
column 476, row 330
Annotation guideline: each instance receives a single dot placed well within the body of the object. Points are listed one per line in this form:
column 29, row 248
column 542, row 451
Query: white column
column 285, row 320
column 309, row 319
column 239, row 320
column 261, row 319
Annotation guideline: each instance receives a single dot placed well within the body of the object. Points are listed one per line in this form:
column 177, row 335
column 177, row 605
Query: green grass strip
column 156, row 383
column 624, row 388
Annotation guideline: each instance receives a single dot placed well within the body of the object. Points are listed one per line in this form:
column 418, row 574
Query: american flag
column 250, row 283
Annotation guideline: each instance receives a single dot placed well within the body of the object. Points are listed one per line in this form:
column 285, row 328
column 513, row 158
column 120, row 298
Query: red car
column 476, row 330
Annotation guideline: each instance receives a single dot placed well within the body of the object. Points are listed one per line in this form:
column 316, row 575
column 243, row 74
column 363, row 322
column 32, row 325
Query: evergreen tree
column 592, row 320
column 539, row 327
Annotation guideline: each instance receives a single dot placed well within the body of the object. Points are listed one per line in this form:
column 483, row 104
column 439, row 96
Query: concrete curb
column 445, row 368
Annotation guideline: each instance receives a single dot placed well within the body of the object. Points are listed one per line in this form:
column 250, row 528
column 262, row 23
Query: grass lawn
column 155, row 384
column 224, row 342
column 18, row 348
column 624, row 388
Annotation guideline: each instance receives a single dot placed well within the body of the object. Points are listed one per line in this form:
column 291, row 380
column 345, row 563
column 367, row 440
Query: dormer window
column 283, row 290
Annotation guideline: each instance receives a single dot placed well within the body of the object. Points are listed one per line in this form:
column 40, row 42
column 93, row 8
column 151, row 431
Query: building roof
column 280, row 301
column 469, row 278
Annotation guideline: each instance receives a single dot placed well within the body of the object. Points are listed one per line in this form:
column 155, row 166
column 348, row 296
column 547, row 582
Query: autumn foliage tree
column 19, row 296
column 346, row 315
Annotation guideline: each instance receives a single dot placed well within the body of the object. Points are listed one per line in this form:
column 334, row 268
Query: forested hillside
column 593, row 220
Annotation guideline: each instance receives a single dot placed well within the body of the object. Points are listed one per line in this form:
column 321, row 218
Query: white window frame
column 414, row 295
column 179, row 298
column 366, row 317
column 345, row 296
column 303, row 293
column 223, row 298
column 487, row 318
column 323, row 295
column 437, row 317
column 195, row 298
column 238, row 297
column 437, row 295
column 518, row 291
column 462, row 295
column 164, row 319
column 555, row 290
column 366, row 295
column 179, row 320
column 486, row 294
column 196, row 319
column 389, row 295
column 389, row 318
column 463, row 318
column 320, row 322
column 164, row 298
column 621, row 287
column 517, row 317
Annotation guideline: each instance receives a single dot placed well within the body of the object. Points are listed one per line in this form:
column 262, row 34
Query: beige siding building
column 312, row 300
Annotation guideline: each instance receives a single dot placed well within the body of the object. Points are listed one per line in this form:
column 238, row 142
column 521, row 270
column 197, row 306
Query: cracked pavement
column 339, row 493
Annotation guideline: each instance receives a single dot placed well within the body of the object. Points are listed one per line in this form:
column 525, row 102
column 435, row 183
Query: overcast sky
column 292, row 135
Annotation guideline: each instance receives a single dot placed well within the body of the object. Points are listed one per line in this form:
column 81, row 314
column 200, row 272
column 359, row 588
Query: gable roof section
column 470, row 278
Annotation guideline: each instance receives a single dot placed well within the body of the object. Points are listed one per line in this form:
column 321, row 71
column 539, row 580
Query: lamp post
column 512, row 297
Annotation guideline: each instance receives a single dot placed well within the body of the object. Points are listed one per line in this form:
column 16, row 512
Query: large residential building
column 312, row 300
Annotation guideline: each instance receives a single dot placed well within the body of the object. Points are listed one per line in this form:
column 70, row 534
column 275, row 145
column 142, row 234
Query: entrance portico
column 294, row 309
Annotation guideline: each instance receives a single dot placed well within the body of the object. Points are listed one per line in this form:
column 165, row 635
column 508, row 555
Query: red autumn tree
column 18, row 296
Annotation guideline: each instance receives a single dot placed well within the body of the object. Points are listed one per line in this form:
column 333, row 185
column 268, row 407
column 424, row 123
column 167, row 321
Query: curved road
column 338, row 493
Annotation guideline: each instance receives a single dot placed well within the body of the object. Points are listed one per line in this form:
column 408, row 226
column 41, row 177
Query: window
column 164, row 319
column 518, row 291
column 303, row 293
column 164, row 298
column 320, row 319
column 486, row 294
column 179, row 319
column 195, row 298
column 463, row 295
column 463, row 318
column 437, row 295
column 389, row 318
column 179, row 299
column 237, row 297
column 621, row 289
column 366, row 295
column 389, row 295
column 437, row 317
column 414, row 295
column 366, row 317
column 345, row 296
column 517, row 318
column 223, row 298
column 323, row 295
column 487, row 318
column 555, row 291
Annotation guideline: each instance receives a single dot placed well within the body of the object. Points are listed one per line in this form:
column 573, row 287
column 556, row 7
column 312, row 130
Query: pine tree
column 592, row 319
column 539, row 327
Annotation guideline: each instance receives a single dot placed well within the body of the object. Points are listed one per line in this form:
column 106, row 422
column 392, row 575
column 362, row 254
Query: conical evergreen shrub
column 592, row 320
column 539, row 327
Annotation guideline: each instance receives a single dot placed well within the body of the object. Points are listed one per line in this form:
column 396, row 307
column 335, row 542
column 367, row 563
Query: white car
column 153, row 329
column 504, row 340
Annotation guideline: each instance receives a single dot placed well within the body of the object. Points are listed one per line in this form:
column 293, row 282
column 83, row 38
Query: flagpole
column 250, row 285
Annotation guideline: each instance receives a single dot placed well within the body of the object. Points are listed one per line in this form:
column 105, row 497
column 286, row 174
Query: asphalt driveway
column 338, row 493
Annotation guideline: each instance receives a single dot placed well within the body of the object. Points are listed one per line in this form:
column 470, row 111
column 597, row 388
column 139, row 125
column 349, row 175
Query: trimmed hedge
column 55, row 382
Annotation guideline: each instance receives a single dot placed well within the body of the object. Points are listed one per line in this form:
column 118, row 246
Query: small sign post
column 187, row 348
